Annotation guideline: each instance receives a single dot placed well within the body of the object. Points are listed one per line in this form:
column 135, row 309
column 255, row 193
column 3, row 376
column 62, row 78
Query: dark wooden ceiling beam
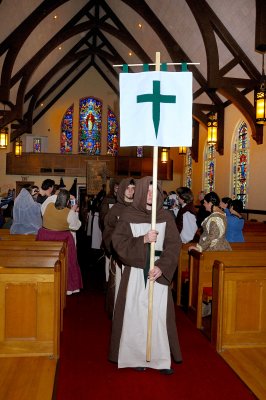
column 209, row 24
column 62, row 92
column 247, row 109
column 260, row 34
column 177, row 54
column 107, row 80
column 13, row 44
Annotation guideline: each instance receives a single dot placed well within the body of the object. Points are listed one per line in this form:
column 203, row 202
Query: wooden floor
column 250, row 366
column 19, row 380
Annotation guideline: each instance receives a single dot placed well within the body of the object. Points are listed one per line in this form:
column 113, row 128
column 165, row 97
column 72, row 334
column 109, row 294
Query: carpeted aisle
column 84, row 372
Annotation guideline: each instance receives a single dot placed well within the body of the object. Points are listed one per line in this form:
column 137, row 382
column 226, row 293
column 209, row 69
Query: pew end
column 238, row 308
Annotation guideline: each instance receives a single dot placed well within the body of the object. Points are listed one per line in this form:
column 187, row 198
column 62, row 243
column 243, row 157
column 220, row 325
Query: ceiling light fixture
column 182, row 151
column 3, row 134
column 260, row 98
column 212, row 128
column 164, row 155
column 3, row 138
column 18, row 147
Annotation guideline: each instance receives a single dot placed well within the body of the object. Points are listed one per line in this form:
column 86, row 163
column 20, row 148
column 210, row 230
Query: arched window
column 209, row 168
column 90, row 125
column 112, row 133
column 188, row 169
column 67, row 131
column 240, row 160
column 139, row 151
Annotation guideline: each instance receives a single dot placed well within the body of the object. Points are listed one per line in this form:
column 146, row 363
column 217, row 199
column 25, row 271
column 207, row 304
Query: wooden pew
column 200, row 271
column 181, row 268
column 30, row 305
column 183, row 260
column 238, row 307
column 53, row 248
column 255, row 236
column 254, row 227
column 5, row 234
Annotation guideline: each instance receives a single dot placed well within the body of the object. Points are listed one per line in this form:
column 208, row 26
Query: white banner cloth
column 145, row 96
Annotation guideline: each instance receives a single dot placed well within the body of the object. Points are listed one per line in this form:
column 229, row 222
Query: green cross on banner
column 156, row 98
column 156, row 109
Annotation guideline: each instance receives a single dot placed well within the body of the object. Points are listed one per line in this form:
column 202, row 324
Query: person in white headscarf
column 27, row 218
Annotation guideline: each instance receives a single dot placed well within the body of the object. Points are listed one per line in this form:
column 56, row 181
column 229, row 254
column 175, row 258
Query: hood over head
column 141, row 191
column 122, row 188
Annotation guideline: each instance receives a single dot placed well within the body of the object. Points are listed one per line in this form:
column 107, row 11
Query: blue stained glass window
column 139, row 151
column 37, row 145
column 209, row 168
column 67, row 131
column 240, row 164
column 112, row 134
column 90, row 126
column 188, row 169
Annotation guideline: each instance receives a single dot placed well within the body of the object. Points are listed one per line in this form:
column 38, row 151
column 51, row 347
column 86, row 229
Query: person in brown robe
column 131, row 240
column 125, row 195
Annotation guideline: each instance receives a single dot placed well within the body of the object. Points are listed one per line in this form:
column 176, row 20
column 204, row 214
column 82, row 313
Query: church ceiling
column 46, row 46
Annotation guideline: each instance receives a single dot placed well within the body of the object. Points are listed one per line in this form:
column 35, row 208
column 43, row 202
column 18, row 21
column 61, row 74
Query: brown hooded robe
column 110, row 222
column 133, row 254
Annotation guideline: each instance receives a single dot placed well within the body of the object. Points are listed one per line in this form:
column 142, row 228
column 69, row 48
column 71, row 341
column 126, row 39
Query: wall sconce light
column 3, row 138
column 260, row 98
column 18, row 147
column 212, row 129
column 164, row 155
column 182, row 151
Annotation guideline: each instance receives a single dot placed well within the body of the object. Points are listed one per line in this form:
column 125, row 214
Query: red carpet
column 84, row 372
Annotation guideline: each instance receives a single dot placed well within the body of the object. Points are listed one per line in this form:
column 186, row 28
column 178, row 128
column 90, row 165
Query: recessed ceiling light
column 60, row 48
column 55, row 16
column 139, row 25
column 42, row 104
column 130, row 54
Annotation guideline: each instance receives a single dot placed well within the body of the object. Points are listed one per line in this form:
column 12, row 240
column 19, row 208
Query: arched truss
column 100, row 19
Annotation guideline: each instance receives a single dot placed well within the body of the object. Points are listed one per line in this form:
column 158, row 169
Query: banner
column 156, row 109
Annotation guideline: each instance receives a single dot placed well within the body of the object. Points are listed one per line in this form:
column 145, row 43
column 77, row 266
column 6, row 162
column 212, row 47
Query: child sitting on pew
column 235, row 221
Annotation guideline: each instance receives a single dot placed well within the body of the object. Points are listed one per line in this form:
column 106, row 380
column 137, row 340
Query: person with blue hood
column 27, row 218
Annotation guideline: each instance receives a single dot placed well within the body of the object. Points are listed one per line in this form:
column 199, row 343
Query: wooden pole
column 153, row 227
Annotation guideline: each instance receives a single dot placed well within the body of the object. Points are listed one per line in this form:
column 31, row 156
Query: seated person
column 225, row 203
column 46, row 190
column 8, row 215
column 186, row 221
column 173, row 203
column 235, row 221
column 27, row 218
column 58, row 220
column 214, row 227
column 202, row 213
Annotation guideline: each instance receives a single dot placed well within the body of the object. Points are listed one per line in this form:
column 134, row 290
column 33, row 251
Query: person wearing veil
column 27, row 218
column 131, row 240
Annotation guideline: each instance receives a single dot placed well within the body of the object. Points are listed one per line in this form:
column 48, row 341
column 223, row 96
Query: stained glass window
column 90, row 125
column 209, row 168
column 188, row 169
column 37, row 145
column 67, row 131
column 139, row 151
column 112, row 133
column 240, row 164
